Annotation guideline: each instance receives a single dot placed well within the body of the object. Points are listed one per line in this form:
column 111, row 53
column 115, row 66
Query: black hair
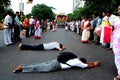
column 9, row 12
column 17, row 12
column 83, row 60
column 61, row 46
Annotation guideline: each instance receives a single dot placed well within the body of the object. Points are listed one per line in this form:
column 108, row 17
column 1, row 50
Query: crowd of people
column 30, row 26
column 101, row 29
column 97, row 28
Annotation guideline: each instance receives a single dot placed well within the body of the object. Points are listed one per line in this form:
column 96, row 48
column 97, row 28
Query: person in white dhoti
column 7, row 29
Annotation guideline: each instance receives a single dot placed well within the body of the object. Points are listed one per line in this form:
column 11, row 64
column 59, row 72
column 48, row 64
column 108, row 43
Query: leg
column 27, row 32
column 6, row 36
column 9, row 36
column 48, row 66
column 31, row 47
column 116, row 50
column 25, row 47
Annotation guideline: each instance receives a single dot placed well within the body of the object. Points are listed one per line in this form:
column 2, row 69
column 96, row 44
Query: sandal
column 117, row 78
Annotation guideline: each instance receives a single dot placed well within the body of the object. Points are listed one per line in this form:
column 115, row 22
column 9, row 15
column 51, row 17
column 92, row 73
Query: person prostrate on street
column 43, row 46
column 65, row 60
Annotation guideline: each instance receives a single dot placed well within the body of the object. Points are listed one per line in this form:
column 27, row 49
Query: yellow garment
column 105, row 23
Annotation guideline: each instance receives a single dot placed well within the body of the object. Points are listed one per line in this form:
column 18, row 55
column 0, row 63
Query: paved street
column 11, row 57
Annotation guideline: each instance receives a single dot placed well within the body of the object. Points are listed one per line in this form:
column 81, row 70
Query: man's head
column 83, row 60
column 62, row 47
column 109, row 12
column 9, row 13
column 17, row 13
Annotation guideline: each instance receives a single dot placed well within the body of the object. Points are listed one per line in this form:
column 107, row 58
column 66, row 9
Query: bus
column 61, row 19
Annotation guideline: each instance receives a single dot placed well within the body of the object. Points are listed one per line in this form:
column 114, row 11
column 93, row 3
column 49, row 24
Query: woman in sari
column 85, row 30
column 37, row 29
column 116, row 43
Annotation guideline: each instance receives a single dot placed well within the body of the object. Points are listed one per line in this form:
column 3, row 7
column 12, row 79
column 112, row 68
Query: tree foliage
column 96, row 7
column 42, row 11
column 4, row 4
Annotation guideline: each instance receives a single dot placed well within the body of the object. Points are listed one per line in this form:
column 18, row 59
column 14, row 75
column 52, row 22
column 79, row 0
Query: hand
column 96, row 63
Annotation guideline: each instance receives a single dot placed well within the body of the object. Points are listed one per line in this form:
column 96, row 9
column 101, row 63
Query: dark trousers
column 98, row 40
column 17, row 34
column 91, row 34
column 27, row 32
column 32, row 47
column 43, row 67
column 32, row 30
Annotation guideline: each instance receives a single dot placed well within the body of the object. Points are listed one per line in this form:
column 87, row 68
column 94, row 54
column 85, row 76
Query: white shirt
column 51, row 45
column 73, row 62
column 105, row 18
column 8, row 19
column 31, row 21
column 111, row 19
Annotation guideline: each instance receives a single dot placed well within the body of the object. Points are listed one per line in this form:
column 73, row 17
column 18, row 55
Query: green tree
column 4, row 4
column 96, row 7
column 70, row 16
column 42, row 11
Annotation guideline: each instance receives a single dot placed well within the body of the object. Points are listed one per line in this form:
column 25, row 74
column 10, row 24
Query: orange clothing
column 26, row 22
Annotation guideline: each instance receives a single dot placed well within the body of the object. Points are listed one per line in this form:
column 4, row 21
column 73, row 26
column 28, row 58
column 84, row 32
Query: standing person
column 82, row 24
column 73, row 25
column 85, row 30
column 92, row 27
column 104, row 20
column 43, row 46
column 111, row 18
column 37, row 29
column 116, row 43
column 77, row 26
column 7, row 28
column 31, row 26
column 65, row 60
column 27, row 25
column 17, row 28
column 48, row 24
column 53, row 26
column 42, row 25
column 96, row 37
column 66, row 26
column 45, row 25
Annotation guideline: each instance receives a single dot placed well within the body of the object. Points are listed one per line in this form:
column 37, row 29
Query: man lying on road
column 43, row 46
column 65, row 60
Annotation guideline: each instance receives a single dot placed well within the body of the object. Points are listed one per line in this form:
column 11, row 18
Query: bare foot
column 18, row 69
column 19, row 46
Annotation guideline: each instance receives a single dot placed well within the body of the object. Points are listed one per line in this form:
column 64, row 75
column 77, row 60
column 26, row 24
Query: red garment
column 107, row 34
column 36, row 25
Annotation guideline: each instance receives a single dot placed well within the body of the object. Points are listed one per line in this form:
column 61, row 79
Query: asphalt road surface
column 11, row 57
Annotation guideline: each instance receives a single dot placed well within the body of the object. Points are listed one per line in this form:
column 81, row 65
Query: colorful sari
column 85, row 32
column 106, row 32
column 37, row 30
column 116, row 43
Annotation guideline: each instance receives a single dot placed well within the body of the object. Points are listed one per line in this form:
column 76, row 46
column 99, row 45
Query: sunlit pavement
column 11, row 56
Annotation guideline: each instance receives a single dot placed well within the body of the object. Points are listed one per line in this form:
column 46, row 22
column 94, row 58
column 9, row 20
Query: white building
column 78, row 3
